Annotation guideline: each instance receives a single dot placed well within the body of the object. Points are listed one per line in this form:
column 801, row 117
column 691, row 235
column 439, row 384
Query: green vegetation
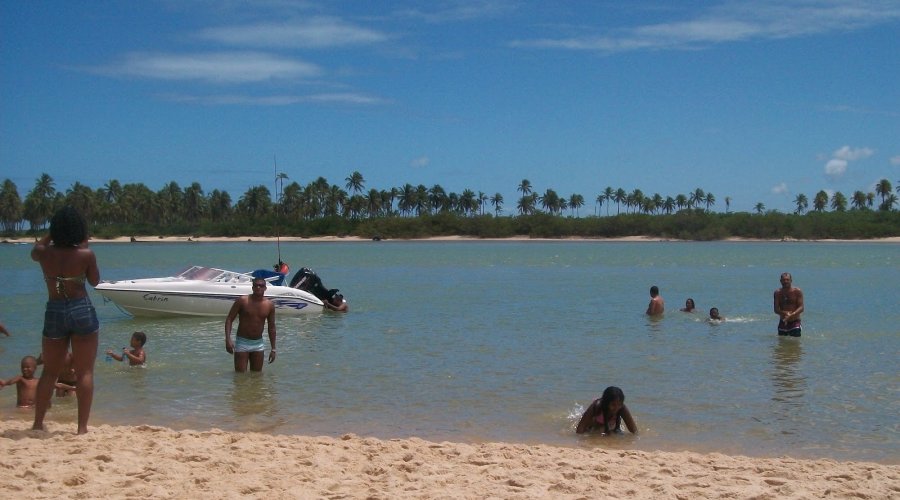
column 321, row 209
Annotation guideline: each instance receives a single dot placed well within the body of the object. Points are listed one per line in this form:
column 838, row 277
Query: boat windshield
column 201, row 273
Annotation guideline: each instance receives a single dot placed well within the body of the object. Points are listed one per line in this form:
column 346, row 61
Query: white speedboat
column 204, row 291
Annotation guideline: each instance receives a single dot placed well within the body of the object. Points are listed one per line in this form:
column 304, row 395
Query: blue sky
column 756, row 101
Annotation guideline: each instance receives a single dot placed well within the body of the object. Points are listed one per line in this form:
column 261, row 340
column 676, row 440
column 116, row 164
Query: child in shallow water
column 26, row 384
column 607, row 413
column 136, row 355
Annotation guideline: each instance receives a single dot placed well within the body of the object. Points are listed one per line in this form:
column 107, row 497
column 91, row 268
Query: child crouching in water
column 136, row 355
column 607, row 414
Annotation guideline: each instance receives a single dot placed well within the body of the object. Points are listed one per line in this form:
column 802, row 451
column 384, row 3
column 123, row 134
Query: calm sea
column 508, row 341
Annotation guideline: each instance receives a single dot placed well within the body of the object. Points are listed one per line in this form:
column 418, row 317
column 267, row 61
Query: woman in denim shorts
column 69, row 320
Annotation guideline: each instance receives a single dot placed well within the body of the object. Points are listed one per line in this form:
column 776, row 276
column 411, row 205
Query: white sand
column 154, row 462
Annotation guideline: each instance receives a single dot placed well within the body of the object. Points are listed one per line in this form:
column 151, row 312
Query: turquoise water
column 507, row 341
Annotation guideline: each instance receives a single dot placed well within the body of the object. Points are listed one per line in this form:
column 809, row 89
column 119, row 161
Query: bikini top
column 61, row 282
column 600, row 419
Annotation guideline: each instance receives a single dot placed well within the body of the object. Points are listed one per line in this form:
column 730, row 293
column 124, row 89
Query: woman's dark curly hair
column 67, row 227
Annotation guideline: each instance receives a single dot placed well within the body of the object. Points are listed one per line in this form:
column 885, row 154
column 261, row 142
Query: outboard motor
column 307, row 280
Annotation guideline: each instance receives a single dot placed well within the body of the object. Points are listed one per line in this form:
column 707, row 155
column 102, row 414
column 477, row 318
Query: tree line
column 322, row 208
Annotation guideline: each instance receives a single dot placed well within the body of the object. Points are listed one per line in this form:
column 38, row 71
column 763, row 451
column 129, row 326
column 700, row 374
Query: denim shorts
column 70, row 317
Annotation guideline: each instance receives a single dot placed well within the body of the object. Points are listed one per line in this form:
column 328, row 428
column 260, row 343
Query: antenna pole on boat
column 277, row 200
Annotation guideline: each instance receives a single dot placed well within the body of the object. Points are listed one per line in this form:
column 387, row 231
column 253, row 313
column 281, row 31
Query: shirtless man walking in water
column 254, row 311
column 788, row 306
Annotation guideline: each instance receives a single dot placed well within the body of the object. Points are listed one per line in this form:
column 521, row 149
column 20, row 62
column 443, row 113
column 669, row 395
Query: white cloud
column 841, row 158
column 781, row 188
column 275, row 100
column 853, row 154
column 835, row 167
column 318, row 32
column 733, row 22
column 444, row 12
column 420, row 162
column 895, row 160
column 217, row 67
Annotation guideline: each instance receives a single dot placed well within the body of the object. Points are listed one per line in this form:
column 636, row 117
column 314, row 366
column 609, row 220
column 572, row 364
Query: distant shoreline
column 356, row 239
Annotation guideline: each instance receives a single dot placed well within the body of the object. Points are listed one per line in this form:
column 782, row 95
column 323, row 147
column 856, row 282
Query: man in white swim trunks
column 253, row 312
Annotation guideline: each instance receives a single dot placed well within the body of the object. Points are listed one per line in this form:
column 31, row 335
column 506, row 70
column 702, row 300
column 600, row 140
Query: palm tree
column 620, row 196
column 10, row 206
column 889, row 202
column 525, row 205
column 256, row 202
column 355, row 182
column 709, row 200
column 550, row 201
column 759, row 208
column 482, row 201
column 801, row 202
column 838, row 202
column 194, row 202
column 697, row 197
column 497, row 202
column 139, row 204
column 524, row 187
column 335, row 200
column 437, row 198
column 608, row 194
column 657, row 202
column 637, row 198
column 884, row 189
column 374, row 202
column 669, row 205
column 820, row 201
column 727, row 204
column 82, row 198
column 39, row 202
column 279, row 184
column 858, row 200
column 355, row 206
column 407, row 199
column 599, row 200
column 171, row 199
column 467, row 201
column 291, row 200
column 576, row 201
column 421, row 199
column 681, row 201
column 220, row 204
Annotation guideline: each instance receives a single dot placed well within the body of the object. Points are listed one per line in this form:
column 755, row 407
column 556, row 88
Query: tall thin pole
column 277, row 200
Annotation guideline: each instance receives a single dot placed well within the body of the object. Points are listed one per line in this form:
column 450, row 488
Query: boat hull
column 166, row 297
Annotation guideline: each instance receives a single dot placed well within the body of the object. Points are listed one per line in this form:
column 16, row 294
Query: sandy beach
column 145, row 462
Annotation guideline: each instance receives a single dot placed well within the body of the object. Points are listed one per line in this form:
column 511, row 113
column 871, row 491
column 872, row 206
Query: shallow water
column 507, row 341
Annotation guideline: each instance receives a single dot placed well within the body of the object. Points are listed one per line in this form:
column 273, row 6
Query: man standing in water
column 788, row 306
column 254, row 311
column 657, row 305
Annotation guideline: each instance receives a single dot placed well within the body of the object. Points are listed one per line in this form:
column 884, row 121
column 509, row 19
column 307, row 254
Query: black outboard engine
column 307, row 280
